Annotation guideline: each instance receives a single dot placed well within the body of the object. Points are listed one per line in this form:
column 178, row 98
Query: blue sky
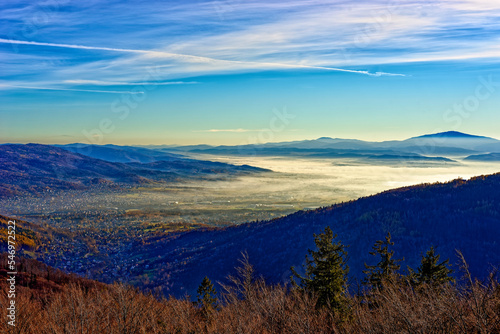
column 231, row 71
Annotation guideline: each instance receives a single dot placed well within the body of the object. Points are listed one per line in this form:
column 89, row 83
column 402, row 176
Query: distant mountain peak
column 450, row 134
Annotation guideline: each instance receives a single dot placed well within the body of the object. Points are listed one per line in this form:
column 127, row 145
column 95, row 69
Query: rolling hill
column 125, row 154
column 35, row 168
column 432, row 148
column 491, row 157
column 458, row 215
column 451, row 139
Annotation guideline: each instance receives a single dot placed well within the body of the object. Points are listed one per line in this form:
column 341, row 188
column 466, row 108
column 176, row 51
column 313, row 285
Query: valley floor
column 296, row 184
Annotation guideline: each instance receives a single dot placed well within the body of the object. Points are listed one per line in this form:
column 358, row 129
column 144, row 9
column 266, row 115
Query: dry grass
column 249, row 305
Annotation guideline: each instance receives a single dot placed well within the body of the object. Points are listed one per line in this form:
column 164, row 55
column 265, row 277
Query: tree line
column 319, row 300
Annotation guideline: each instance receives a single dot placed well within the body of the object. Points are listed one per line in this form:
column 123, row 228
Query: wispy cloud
column 120, row 83
column 312, row 55
column 86, row 47
column 223, row 37
column 71, row 90
column 197, row 59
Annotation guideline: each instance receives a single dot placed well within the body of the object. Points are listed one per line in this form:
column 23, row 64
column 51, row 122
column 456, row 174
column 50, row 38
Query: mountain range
column 115, row 153
column 438, row 147
column 35, row 168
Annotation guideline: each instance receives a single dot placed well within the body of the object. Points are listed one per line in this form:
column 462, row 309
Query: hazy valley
column 144, row 201
column 249, row 167
column 137, row 186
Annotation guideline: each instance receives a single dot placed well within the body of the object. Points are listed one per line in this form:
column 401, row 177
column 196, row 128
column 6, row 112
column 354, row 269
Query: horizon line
column 245, row 144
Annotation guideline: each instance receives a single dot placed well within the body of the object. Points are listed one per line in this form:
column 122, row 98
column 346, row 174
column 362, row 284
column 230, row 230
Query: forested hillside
column 462, row 215
column 458, row 215
column 33, row 169
column 50, row 301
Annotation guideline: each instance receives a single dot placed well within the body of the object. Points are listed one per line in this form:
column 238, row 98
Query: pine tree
column 386, row 268
column 431, row 271
column 207, row 299
column 326, row 271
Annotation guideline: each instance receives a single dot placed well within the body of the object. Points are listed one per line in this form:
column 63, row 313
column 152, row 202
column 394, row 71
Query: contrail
column 121, row 83
column 73, row 90
column 192, row 58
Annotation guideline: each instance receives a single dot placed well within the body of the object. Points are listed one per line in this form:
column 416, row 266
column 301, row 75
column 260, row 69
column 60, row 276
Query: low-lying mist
column 319, row 182
column 296, row 184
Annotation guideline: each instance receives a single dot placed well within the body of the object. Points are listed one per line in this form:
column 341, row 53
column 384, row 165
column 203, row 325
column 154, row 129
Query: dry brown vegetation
column 49, row 301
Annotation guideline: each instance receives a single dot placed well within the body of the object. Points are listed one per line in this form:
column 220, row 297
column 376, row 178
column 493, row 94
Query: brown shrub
column 249, row 305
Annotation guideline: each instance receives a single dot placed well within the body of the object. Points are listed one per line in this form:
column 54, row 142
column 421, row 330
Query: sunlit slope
column 35, row 168
column 463, row 215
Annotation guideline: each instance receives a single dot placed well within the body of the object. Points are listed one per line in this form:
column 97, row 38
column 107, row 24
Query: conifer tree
column 386, row 268
column 431, row 271
column 207, row 299
column 326, row 271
